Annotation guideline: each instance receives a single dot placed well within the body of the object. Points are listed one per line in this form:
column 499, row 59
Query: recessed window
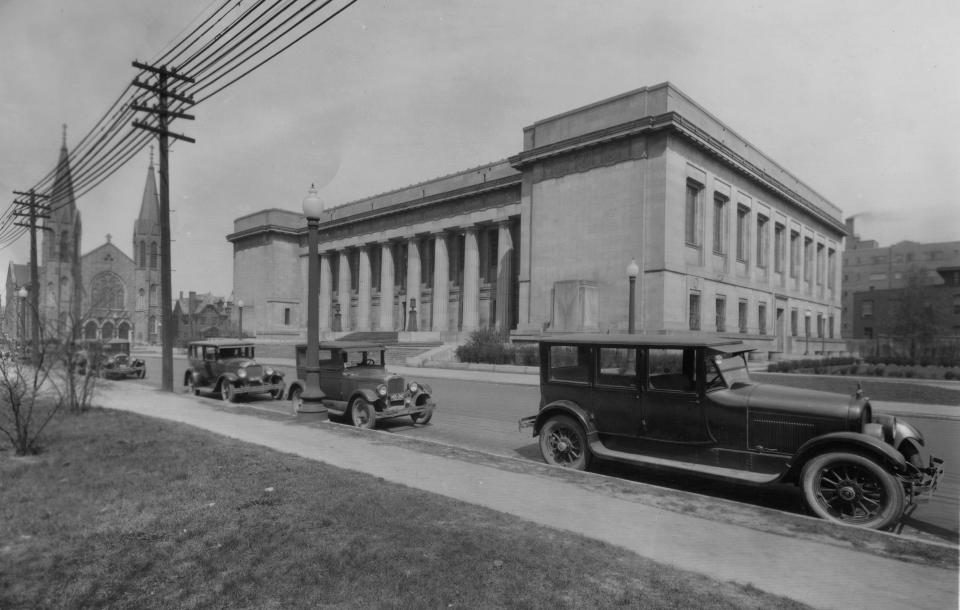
column 719, row 224
column 694, row 311
column 721, row 309
column 693, row 211
column 743, row 232
column 742, row 316
column 762, row 240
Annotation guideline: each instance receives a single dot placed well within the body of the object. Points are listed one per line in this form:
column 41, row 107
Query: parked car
column 115, row 361
column 688, row 404
column 358, row 388
column 228, row 367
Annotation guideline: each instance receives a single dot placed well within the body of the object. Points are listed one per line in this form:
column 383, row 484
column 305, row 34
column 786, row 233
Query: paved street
column 483, row 416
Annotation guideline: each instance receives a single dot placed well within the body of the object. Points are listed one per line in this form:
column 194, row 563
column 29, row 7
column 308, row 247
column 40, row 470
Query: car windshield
column 728, row 371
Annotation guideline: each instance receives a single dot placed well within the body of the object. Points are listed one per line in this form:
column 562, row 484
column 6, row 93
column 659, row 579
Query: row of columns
column 413, row 280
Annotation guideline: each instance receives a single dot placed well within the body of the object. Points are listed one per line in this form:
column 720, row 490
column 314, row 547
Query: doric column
column 344, row 291
column 386, row 286
column 471, row 280
column 364, row 286
column 326, row 287
column 504, row 276
column 441, row 278
column 413, row 281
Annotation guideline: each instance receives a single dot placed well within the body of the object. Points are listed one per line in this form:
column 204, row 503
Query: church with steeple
column 105, row 293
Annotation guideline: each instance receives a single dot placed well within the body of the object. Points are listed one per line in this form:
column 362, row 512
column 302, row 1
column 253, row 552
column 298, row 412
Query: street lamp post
column 22, row 293
column 310, row 399
column 632, row 272
column 240, row 308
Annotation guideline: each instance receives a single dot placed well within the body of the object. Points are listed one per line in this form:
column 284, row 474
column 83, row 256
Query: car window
column 618, row 367
column 672, row 369
column 326, row 357
column 570, row 363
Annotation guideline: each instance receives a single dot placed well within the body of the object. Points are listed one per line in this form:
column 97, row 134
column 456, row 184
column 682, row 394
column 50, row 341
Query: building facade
column 727, row 242
column 105, row 293
column 868, row 267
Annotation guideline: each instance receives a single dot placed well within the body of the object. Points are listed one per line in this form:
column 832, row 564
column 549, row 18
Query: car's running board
column 717, row 472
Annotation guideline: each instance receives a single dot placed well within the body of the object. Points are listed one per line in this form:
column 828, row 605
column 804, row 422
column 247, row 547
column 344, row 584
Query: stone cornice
column 678, row 124
column 232, row 237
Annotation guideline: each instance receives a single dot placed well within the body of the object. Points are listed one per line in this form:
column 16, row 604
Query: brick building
column 727, row 241
column 867, row 267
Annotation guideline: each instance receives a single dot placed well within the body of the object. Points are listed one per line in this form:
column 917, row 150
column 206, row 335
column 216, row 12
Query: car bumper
column 405, row 409
column 261, row 388
column 924, row 485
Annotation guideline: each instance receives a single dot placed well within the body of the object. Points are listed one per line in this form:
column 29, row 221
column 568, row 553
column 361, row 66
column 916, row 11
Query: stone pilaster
column 441, row 278
column 364, row 286
column 344, row 290
column 471, row 280
column 504, row 276
column 386, row 286
column 326, row 287
column 413, row 280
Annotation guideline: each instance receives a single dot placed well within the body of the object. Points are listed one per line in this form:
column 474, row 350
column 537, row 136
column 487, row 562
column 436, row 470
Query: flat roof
column 347, row 345
column 222, row 341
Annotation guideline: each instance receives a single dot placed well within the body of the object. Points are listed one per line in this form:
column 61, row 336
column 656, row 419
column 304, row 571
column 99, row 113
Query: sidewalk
column 821, row 574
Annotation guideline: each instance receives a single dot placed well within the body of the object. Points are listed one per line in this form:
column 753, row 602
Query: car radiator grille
column 254, row 373
column 395, row 385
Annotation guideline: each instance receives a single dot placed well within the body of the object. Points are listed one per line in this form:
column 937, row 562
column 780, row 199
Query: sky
column 858, row 99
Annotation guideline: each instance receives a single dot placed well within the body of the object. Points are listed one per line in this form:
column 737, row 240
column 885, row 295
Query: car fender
column 228, row 377
column 855, row 442
column 565, row 407
column 367, row 394
column 296, row 383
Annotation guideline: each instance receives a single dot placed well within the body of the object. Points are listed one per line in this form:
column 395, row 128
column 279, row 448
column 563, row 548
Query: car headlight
column 382, row 390
column 413, row 386
column 268, row 372
column 242, row 373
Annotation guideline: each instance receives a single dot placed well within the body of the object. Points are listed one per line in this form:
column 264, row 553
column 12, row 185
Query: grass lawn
column 873, row 388
column 131, row 512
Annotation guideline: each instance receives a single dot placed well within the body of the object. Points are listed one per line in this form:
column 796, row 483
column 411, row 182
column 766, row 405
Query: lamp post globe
column 633, row 270
column 310, row 398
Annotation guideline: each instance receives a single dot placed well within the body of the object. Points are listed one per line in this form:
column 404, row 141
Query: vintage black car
column 109, row 359
column 227, row 367
column 358, row 388
column 688, row 404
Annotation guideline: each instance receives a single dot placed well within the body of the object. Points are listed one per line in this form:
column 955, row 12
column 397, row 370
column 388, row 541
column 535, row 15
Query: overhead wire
column 113, row 142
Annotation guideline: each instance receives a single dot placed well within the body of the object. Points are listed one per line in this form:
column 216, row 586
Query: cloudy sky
column 859, row 99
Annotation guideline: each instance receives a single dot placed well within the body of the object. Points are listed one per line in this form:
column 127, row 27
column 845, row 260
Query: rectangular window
column 794, row 253
column 820, row 329
column 618, row 367
column 779, row 247
column 762, row 318
column 742, row 316
column 956, row 303
column 832, row 269
column 719, row 224
column 868, row 333
column 694, row 311
column 830, row 325
column 762, row 240
column 570, row 363
column 694, row 193
column 743, row 233
column 866, row 309
column 807, row 259
column 793, row 323
column 672, row 369
column 820, row 264
column 721, row 307
column 286, row 316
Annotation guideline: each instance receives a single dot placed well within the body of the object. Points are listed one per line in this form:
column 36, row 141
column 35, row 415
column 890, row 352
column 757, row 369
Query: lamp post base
column 311, row 401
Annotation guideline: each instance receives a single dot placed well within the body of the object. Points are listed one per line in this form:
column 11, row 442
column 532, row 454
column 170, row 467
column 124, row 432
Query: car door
column 672, row 402
column 616, row 403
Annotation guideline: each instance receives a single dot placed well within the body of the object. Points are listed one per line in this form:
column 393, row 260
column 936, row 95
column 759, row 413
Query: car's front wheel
column 564, row 443
column 362, row 413
column 423, row 417
column 277, row 394
column 226, row 391
column 852, row 489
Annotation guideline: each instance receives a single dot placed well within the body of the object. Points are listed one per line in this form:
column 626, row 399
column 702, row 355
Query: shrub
column 492, row 346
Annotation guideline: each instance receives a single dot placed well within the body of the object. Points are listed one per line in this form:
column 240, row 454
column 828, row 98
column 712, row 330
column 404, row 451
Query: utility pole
column 32, row 214
column 163, row 114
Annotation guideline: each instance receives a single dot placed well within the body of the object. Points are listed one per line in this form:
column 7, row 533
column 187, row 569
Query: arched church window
column 153, row 255
column 143, row 255
column 123, row 331
column 106, row 290
column 106, row 331
column 141, row 300
column 154, row 298
column 90, row 330
column 65, row 245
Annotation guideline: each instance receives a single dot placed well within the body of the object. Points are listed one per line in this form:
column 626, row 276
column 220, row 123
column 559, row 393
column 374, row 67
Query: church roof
column 149, row 204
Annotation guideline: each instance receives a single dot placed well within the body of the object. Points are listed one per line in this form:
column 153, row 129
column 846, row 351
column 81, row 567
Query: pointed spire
column 62, row 197
column 64, row 143
column 150, row 203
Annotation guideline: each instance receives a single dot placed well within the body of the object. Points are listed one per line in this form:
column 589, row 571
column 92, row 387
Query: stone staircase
column 385, row 337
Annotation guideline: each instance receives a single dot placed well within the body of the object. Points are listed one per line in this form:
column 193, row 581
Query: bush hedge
column 869, row 367
column 491, row 346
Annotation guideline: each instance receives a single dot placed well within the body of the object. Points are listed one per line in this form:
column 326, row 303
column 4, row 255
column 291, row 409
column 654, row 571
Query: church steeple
column 149, row 203
column 62, row 193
